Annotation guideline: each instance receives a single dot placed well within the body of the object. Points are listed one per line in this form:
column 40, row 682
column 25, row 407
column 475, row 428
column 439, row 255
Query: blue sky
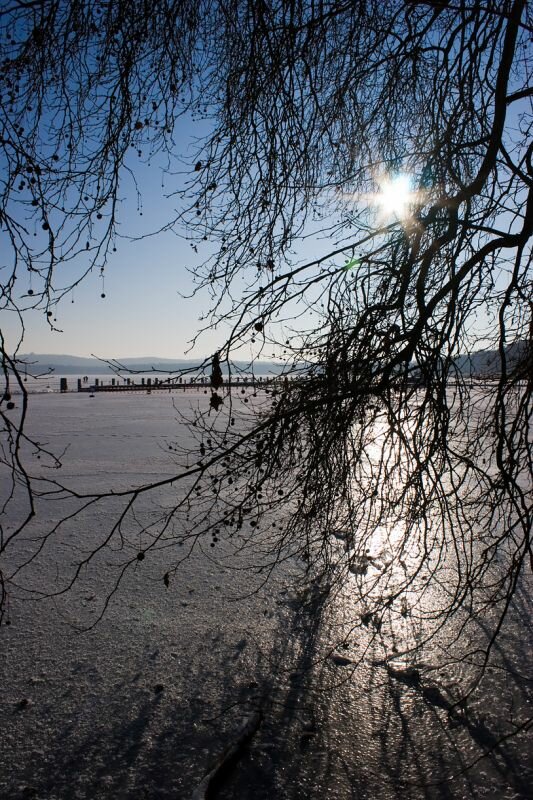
column 142, row 312
column 145, row 311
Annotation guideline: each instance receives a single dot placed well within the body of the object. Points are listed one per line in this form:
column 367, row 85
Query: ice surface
column 141, row 705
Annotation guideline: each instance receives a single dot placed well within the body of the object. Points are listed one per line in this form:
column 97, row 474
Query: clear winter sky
column 142, row 313
column 145, row 311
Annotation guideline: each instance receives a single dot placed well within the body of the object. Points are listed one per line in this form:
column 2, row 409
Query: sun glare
column 395, row 195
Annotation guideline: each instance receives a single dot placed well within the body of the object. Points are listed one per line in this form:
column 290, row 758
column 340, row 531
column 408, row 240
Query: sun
column 395, row 196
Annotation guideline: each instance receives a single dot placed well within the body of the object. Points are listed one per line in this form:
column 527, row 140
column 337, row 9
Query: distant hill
column 488, row 362
column 38, row 363
column 482, row 362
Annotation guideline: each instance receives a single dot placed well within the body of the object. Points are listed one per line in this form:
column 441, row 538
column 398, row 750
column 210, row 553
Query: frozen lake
column 140, row 705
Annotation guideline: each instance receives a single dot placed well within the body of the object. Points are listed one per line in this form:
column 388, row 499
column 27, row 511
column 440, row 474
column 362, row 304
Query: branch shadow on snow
column 330, row 727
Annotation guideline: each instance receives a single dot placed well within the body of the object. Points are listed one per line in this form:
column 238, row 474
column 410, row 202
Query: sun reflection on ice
column 386, row 556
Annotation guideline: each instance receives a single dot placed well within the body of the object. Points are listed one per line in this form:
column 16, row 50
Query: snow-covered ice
column 140, row 705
